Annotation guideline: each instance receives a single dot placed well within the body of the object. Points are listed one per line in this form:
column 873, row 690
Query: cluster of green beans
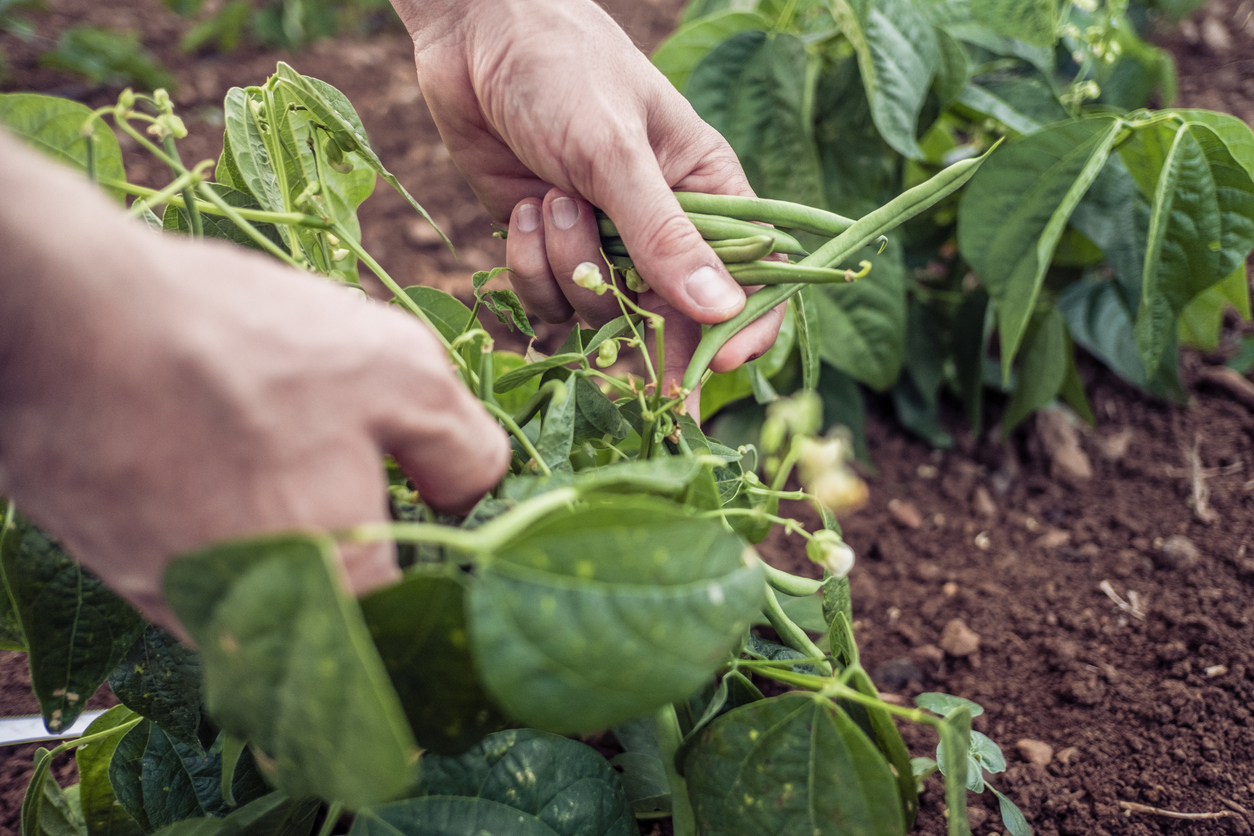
column 733, row 227
column 846, row 239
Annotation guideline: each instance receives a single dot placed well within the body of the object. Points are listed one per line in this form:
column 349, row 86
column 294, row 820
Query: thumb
column 666, row 248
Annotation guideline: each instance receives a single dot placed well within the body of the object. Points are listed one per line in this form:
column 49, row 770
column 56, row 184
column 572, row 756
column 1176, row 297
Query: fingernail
column 712, row 290
column 565, row 212
column 528, row 217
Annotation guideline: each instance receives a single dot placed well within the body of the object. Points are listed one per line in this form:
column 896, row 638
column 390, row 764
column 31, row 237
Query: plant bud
column 607, row 355
column 126, row 99
column 635, row 283
column 832, row 553
column 161, row 98
column 773, row 431
column 588, row 276
column 802, row 414
column 339, row 255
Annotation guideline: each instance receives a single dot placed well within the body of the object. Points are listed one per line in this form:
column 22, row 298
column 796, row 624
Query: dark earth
column 1105, row 621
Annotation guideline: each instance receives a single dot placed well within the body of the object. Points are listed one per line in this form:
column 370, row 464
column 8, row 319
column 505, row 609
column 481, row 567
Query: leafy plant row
column 609, row 581
column 1103, row 224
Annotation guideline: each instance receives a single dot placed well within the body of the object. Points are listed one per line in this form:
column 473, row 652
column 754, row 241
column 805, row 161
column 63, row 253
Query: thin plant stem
column 334, row 811
column 251, row 231
column 669, row 736
column 792, row 635
column 516, row 431
column 198, row 228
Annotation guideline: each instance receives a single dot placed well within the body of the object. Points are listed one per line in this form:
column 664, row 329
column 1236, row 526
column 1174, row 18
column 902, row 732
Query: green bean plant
column 609, row 581
column 1104, row 224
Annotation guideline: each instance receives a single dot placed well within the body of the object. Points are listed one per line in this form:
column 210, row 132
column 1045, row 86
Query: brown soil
column 1152, row 708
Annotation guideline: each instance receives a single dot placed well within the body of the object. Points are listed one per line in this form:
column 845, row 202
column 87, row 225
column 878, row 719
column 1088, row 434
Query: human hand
column 548, row 109
column 159, row 394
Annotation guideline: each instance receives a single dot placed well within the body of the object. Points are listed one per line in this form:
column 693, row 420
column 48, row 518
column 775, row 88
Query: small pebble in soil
column 950, row 589
column 1066, row 756
column 1053, row 538
column 1035, row 751
column 957, row 639
column 905, row 513
column 983, row 541
column 976, row 816
column 930, row 654
column 926, row 471
column 983, row 503
column 1115, row 445
column 1215, row 670
column 1176, row 552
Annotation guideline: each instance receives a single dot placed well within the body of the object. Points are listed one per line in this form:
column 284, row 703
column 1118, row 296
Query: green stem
column 232, row 214
column 198, row 228
column 790, row 633
column 92, row 738
column 252, row 215
column 789, row 584
column 334, row 811
column 669, row 736
column 179, row 185
column 516, row 431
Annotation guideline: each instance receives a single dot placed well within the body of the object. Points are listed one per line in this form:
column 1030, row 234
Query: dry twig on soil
column 1130, row 807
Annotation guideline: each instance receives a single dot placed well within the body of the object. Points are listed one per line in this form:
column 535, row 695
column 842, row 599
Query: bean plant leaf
column 1042, row 370
column 557, row 433
column 563, row 783
column 644, row 781
column 573, row 623
column 864, row 324
column 516, row 377
column 177, row 219
column 1235, row 134
column 1201, row 230
column 159, row 780
column 54, row 126
column 102, row 813
column 447, row 816
column 333, row 111
column 987, row 753
column 274, row 814
column 1031, row 21
column 680, row 54
column 1011, row 815
column 791, row 764
column 595, row 414
column 419, row 628
column 955, row 741
column 76, row 629
column 947, row 704
column 289, row 665
column 505, row 306
column 902, row 60
column 1015, row 209
column 250, row 165
column 809, row 336
column 752, row 89
column 159, row 678
column 46, row 809
column 880, row 728
column 449, row 316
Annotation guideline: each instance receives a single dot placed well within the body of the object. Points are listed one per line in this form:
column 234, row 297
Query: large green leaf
column 861, row 171
column 864, row 323
column 901, row 60
column 567, row 785
column 1015, row 209
column 791, row 764
column 159, row 678
column 917, row 393
column 679, row 54
column 1235, row 134
column 447, row 816
column 54, row 126
column 607, row 611
column 557, row 432
column 419, row 627
column 1031, row 21
column 76, row 629
column 250, row 164
column 103, row 815
column 752, row 88
column 159, row 780
column 289, row 665
column 1201, row 230
column 274, row 814
column 595, row 414
column 1100, row 319
column 333, row 111
column 1042, row 370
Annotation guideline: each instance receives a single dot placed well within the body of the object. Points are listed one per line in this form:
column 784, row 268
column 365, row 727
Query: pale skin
column 160, row 394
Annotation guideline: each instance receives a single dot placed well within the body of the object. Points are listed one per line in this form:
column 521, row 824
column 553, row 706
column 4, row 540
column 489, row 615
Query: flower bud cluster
column 825, row 473
column 827, row 549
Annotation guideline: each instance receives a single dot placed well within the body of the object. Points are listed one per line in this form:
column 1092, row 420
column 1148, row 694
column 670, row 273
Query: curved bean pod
column 775, row 272
column 865, row 230
column 729, row 251
column 777, row 212
column 715, row 228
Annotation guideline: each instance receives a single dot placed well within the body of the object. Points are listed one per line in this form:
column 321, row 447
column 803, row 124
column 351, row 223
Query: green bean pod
column 715, row 228
column 776, row 212
column 865, row 230
column 777, row 272
column 729, row 251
